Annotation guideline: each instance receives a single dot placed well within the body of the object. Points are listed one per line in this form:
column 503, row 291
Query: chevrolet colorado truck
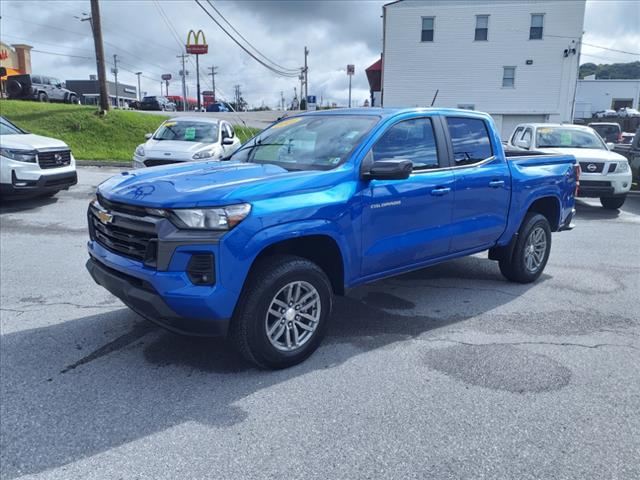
column 253, row 248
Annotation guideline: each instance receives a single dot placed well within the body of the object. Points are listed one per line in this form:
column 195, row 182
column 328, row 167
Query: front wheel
column 612, row 203
column 42, row 97
column 531, row 251
column 283, row 313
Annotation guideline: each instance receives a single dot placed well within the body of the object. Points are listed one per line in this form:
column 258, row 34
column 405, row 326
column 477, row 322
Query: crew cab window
column 515, row 135
column 470, row 140
column 526, row 137
column 411, row 139
column 37, row 79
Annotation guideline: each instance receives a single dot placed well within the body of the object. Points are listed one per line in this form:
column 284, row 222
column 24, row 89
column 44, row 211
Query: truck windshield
column 205, row 132
column 314, row 142
column 567, row 137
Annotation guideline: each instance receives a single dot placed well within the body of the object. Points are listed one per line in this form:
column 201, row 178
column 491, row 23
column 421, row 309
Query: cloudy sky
column 141, row 33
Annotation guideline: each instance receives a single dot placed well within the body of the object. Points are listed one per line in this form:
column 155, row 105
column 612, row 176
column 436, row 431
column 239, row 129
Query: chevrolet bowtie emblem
column 105, row 217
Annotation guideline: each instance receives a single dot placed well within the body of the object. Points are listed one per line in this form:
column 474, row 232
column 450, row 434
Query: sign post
column 166, row 77
column 194, row 47
column 350, row 71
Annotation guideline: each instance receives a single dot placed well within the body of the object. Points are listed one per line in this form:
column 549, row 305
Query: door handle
column 496, row 183
column 439, row 191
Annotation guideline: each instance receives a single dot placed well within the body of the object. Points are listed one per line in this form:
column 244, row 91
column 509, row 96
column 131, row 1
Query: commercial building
column 14, row 60
column 595, row 95
column 514, row 59
column 89, row 92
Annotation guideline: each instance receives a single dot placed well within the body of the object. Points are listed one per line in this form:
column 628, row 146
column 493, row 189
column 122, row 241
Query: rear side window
column 411, row 139
column 515, row 135
column 36, row 79
column 470, row 140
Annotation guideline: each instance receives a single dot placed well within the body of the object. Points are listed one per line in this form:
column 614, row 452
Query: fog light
column 624, row 185
column 201, row 269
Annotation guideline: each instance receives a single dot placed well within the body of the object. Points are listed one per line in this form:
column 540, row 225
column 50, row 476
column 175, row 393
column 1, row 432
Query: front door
column 405, row 222
column 482, row 186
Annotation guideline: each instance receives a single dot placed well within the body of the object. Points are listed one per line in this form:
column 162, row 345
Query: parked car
column 628, row 112
column 605, row 113
column 627, row 138
column 39, row 87
column 157, row 103
column 610, row 132
column 254, row 248
column 185, row 139
column 218, row 107
column 631, row 152
column 134, row 105
column 32, row 165
column 605, row 174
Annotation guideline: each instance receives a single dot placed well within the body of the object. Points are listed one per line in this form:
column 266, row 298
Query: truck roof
column 389, row 112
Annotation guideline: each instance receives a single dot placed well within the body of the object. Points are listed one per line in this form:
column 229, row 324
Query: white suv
column 605, row 174
column 32, row 165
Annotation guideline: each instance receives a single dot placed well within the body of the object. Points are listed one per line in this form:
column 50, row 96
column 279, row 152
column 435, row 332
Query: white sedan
column 186, row 139
column 628, row 112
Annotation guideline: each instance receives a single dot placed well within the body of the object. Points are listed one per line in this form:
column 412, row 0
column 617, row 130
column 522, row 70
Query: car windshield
column 314, row 142
column 566, row 137
column 7, row 128
column 205, row 132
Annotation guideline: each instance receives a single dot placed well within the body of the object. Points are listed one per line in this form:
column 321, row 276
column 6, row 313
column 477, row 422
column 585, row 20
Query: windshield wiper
column 251, row 147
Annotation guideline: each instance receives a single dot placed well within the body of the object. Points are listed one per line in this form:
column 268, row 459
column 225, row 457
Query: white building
column 597, row 95
column 515, row 59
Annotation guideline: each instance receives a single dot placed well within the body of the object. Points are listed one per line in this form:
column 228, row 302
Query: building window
column 509, row 77
column 427, row 29
column 537, row 21
column 482, row 27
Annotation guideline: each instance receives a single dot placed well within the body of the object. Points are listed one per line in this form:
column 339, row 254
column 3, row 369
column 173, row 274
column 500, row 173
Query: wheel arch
column 549, row 207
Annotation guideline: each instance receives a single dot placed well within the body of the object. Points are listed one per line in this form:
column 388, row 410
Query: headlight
column 622, row 167
column 140, row 151
column 203, row 154
column 223, row 218
column 19, row 155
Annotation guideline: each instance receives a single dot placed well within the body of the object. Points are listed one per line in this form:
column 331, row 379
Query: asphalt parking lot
column 447, row 372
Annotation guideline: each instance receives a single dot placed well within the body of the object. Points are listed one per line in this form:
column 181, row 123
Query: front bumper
column 611, row 185
column 43, row 184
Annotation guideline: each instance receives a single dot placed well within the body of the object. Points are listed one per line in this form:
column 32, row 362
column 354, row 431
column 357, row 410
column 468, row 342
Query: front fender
column 238, row 254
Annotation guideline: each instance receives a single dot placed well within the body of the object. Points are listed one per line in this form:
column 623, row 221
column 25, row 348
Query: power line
column 62, row 54
column 261, row 62
column 610, row 49
column 249, row 43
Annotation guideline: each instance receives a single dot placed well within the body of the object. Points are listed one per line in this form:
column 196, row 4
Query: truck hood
column 586, row 154
column 30, row 141
column 194, row 184
column 175, row 149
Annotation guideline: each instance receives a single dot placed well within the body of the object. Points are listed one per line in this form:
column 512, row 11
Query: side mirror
column 227, row 141
column 148, row 135
column 611, row 145
column 522, row 144
column 392, row 169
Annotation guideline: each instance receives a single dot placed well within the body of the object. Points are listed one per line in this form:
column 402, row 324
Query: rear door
column 405, row 222
column 482, row 185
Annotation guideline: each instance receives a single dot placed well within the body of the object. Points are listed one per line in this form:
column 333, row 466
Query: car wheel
column 531, row 252
column 42, row 97
column 283, row 312
column 73, row 100
column 612, row 203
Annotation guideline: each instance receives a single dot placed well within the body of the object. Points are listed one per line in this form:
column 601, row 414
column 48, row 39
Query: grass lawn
column 90, row 137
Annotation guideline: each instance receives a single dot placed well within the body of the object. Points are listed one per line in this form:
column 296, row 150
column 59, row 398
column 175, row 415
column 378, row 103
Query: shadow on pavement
column 14, row 205
column 63, row 404
column 594, row 211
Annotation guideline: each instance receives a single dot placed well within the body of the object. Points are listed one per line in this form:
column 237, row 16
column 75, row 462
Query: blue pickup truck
column 254, row 247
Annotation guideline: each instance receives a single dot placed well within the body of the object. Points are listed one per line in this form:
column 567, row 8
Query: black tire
column 73, row 99
column 248, row 330
column 14, row 88
column 514, row 267
column 612, row 203
column 42, row 97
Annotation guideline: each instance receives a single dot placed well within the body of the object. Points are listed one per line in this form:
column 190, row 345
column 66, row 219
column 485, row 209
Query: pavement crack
column 557, row 344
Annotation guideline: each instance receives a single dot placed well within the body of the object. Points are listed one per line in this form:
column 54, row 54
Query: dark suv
column 610, row 132
column 157, row 103
column 39, row 87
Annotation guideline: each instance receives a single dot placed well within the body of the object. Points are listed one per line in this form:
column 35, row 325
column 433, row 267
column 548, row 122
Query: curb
column 102, row 163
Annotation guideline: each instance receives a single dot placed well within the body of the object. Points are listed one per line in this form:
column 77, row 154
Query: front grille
column 125, row 235
column 154, row 162
column 585, row 167
column 54, row 158
column 594, row 183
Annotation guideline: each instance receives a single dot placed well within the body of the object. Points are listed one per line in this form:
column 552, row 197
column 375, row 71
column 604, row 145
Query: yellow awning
column 10, row 71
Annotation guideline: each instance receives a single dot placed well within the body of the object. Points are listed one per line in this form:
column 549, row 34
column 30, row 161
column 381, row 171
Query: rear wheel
column 612, row 203
column 531, row 252
column 283, row 313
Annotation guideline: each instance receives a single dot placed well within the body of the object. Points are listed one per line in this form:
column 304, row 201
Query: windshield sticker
column 286, row 123
column 544, row 130
column 565, row 138
column 169, row 124
column 190, row 133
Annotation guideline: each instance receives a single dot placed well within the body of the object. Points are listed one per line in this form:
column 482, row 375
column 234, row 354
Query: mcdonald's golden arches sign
column 194, row 46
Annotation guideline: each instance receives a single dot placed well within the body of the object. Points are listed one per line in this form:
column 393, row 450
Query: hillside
column 90, row 137
column 620, row 71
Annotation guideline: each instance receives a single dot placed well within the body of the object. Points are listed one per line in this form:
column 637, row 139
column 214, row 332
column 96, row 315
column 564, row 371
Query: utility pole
column 97, row 40
column 301, row 78
column 138, row 75
column 183, row 74
column 282, row 100
column 198, row 80
column 306, row 78
column 115, row 73
column 213, row 72
column 161, row 82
